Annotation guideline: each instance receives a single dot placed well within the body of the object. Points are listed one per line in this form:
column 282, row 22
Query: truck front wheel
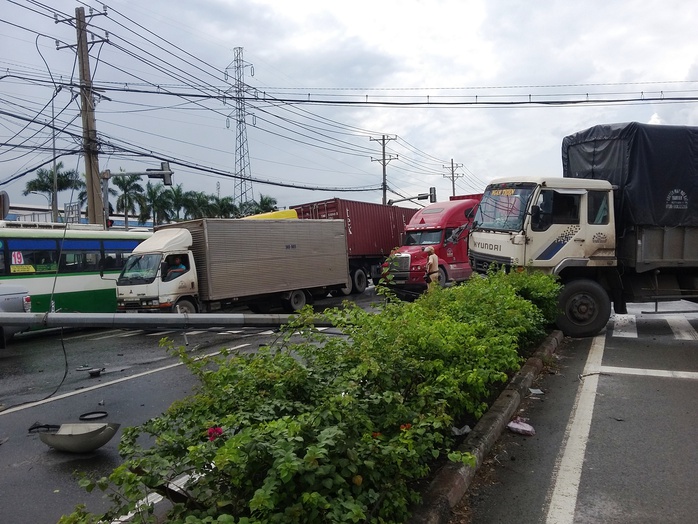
column 584, row 308
column 184, row 306
column 442, row 277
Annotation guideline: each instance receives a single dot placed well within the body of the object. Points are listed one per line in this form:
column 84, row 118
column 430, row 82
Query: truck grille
column 130, row 306
column 399, row 263
column 481, row 263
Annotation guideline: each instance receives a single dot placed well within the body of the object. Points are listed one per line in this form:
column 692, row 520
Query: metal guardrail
column 147, row 320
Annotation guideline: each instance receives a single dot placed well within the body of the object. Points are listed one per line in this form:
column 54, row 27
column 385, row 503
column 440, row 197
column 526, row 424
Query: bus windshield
column 503, row 207
column 141, row 268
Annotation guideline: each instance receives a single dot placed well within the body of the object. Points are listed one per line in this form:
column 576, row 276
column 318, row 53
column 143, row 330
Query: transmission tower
column 242, row 191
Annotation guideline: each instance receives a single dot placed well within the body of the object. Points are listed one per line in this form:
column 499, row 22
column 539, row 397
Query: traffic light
column 432, row 194
column 110, row 223
column 164, row 173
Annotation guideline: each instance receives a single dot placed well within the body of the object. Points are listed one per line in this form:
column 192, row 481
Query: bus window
column 116, row 252
column 32, row 256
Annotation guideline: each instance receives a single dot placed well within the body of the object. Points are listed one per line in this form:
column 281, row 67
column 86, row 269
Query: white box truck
column 223, row 262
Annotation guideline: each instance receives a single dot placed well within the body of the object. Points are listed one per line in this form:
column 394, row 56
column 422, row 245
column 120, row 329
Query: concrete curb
column 452, row 482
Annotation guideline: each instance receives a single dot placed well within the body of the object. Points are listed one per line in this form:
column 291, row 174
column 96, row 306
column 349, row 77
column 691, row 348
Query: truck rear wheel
column 584, row 308
column 359, row 280
column 347, row 290
column 295, row 302
column 184, row 307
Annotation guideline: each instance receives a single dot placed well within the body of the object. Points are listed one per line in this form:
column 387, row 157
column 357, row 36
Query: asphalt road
column 615, row 435
column 615, row 424
column 42, row 379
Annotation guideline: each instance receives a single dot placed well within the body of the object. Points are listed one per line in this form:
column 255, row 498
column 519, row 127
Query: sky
column 458, row 92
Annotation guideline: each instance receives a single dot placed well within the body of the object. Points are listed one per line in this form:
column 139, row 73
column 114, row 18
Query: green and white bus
column 61, row 263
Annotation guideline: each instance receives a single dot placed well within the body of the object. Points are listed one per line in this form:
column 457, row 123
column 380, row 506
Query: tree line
column 155, row 202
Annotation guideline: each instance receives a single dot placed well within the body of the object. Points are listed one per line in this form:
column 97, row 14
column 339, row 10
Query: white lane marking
column 195, row 332
column 131, row 333
column 161, row 333
column 113, row 332
column 660, row 373
column 110, row 383
column 682, row 328
column 112, row 335
column 624, row 326
column 568, row 468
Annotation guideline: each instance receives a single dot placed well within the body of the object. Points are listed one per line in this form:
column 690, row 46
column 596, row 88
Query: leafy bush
column 327, row 428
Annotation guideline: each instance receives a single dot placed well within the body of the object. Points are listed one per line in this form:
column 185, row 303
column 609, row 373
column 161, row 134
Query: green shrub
column 327, row 428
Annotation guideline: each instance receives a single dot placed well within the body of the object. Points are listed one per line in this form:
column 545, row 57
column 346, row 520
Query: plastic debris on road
column 461, row 431
column 519, row 425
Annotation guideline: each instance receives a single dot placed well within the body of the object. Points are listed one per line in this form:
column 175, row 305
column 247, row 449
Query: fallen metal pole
column 147, row 320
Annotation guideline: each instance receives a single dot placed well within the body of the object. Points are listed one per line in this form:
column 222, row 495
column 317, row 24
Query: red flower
column 376, row 434
column 214, row 433
column 405, row 427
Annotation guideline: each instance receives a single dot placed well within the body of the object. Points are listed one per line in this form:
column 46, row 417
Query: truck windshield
column 503, row 207
column 423, row 238
column 140, row 268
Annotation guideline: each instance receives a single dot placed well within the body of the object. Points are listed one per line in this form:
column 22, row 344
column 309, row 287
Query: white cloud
column 496, row 50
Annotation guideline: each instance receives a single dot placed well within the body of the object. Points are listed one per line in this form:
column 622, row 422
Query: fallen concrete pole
column 148, row 320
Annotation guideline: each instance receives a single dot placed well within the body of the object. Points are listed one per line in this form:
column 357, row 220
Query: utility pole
column 384, row 161
column 453, row 175
column 90, row 145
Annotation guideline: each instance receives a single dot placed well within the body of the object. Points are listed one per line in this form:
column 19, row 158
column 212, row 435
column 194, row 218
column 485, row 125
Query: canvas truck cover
column 655, row 168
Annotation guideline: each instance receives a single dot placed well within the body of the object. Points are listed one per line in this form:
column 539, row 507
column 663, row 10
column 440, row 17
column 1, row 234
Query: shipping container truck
column 443, row 226
column 223, row 262
column 372, row 231
column 620, row 227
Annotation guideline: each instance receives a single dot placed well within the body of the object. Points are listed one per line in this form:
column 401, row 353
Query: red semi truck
column 372, row 231
column 443, row 226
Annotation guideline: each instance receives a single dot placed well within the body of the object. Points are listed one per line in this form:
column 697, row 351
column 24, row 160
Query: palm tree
column 131, row 195
column 248, row 208
column 156, row 204
column 198, row 205
column 266, row 203
column 43, row 183
column 224, row 207
column 179, row 200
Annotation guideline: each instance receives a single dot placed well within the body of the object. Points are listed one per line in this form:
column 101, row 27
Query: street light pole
column 54, row 196
column 48, row 200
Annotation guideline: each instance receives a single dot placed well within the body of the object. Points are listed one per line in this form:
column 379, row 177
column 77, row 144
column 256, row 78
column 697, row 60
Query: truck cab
column 160, row 276
column 443, row 226
column 560, row 226
column 552, row 224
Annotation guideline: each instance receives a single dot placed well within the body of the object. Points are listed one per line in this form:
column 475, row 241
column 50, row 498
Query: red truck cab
column 443, row 226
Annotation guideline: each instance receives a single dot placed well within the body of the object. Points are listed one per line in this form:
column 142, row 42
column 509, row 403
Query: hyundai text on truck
column 620, row 226
column 261, row 263
column 372, row 230
column 443, row 226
